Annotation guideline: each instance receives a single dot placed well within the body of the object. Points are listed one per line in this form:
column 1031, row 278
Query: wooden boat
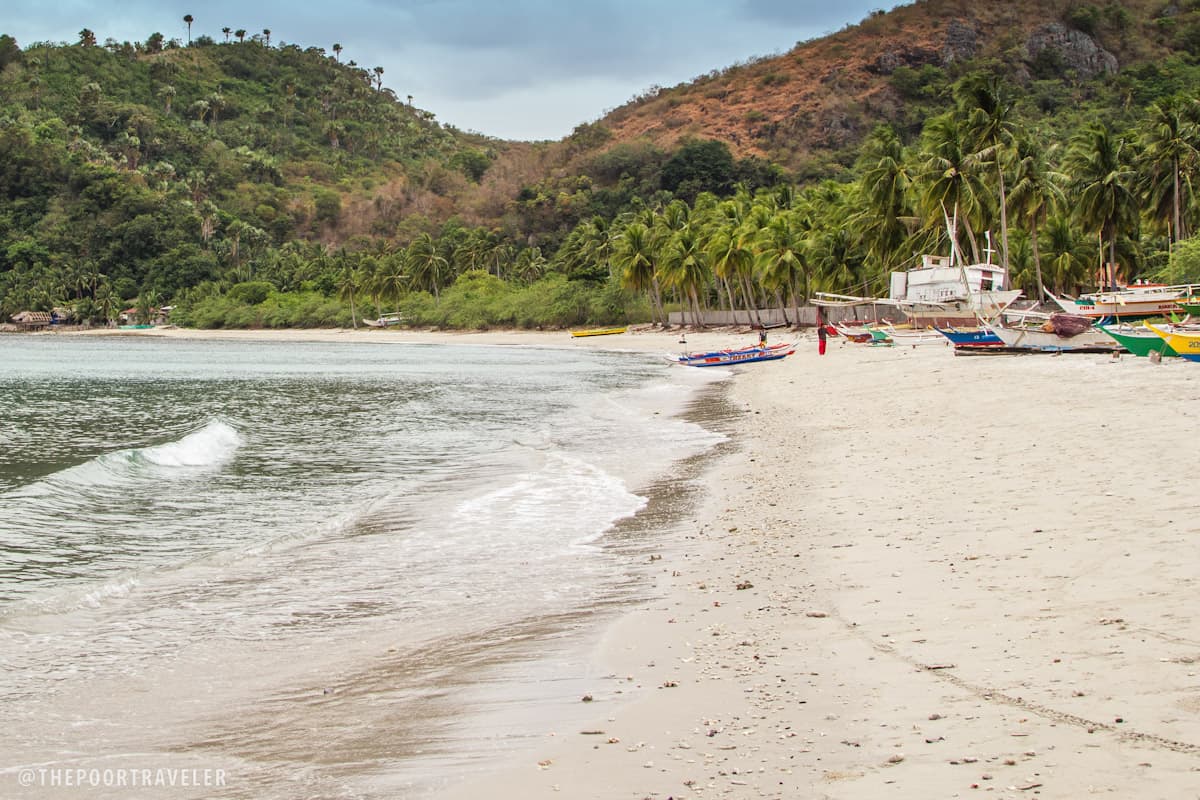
column 745, row 355
column 1186, row 343
column 1131, row 302
column 1139, row 340
column 1032, row 331
column 384, row 321
column 971, row 339
column 912, row 337
column 855, row 333
column 600, row 331
column 1190, row 304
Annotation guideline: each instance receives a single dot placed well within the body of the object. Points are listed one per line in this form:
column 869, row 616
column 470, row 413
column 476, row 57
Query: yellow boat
column 600, row 331
column 1184, row 342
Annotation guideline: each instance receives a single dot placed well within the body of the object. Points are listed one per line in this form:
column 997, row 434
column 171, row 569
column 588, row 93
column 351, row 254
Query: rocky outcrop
column 1073, row 48
column 892, row 60
column 961, row 43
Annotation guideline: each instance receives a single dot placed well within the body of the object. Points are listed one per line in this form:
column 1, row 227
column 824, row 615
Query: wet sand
column 912, row 575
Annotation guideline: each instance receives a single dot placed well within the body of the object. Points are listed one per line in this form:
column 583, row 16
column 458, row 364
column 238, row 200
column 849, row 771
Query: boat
column 941, row 292
column 383, row 321
column 1185, row 342
column 745, row 355
column 1139, row 340
column 980, row 338
column 600, row 331
column 1190, row 304
column 1053, row 333
column 912, row 336
column 1138, row 301
column 855, row 333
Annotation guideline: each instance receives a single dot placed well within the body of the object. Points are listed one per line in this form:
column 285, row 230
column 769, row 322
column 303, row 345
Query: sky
column 512, row 69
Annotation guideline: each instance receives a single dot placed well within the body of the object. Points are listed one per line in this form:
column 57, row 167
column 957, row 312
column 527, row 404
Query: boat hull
column 1038, row 339
column 1185, row 343
column 1140, row 341
column 600, row 331
column 969, row 339
column 748, row 355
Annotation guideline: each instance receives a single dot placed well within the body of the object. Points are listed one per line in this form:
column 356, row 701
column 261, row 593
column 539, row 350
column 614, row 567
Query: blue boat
column 746, row 355
column 978, row 337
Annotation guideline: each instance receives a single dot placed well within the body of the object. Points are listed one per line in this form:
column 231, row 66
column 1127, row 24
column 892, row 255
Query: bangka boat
column 1186, row 343
column 745, row 355
column 601, row 331
column 383, row 321
column 971, row 339
column 1138, row 301
column 912, row 337
column 1139, row 340
column 1050, row 332
column 855, row 333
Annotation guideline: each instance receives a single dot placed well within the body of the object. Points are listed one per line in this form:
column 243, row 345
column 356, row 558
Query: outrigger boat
column 1184, row 342
column 600, row 331
column 973, row 339
column 1131, row 302
column 1139, row 340
column 745, row 355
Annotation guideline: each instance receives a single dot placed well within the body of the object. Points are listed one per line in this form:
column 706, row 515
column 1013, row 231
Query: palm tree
column 779, row 260
column 426, row 266
column 684, row 268
column 267, row 36
column 988, row 119
column 188, row 18
column 240, row 33
column 635, row 257
column 1170, row 156
column 348, row 279
column 378, row 77
column 883, row 196
column 337, row 52
column 1035, row 191
column 948, row 178
column 216, row 102
column 226, row 31
column 1097, row 160
column 167, row 93
column 87, row 38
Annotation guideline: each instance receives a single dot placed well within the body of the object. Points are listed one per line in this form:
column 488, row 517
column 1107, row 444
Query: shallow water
column 272, row 559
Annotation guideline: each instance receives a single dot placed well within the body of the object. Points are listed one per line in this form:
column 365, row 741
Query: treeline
column 245, row 224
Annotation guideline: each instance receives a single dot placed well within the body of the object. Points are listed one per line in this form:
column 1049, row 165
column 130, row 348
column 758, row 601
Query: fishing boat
column 384, row 321
column 912, row 337
column 855, row 333
column 1139, row 340
column 1053, row 333
column 981, row 338
column 745, row 355
column 1138, row 301
column 600, row 331
column 943, row 291
column 1185, row 342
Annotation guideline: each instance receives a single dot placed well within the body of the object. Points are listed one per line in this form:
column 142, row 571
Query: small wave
column 213, row 444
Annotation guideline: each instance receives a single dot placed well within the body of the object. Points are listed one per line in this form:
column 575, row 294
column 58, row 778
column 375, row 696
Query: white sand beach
column 917, row 575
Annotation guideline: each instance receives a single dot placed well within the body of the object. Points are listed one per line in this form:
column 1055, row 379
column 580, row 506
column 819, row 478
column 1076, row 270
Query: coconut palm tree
column 987, row 113
column 226, row 31
column 1035, row 191
column 337, row 52
column 188, row 18
column 883, row 196
column 635, row 257
column 348, row 280
column 948, row 179
column 426, row 266
column 1098, row 161
column 267, row 36
column 1169, row 160
column 240, row 33
column 684, row 268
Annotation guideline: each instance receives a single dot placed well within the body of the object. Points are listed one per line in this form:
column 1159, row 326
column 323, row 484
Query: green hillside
column 257, row 184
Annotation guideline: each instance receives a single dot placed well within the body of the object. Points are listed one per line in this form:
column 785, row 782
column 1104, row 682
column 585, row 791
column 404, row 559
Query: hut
column 32, row 320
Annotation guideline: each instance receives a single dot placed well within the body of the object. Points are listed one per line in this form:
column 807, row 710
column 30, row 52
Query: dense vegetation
column 251, row 184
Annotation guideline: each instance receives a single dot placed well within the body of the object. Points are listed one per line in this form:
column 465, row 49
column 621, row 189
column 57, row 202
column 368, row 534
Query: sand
column 915, row 575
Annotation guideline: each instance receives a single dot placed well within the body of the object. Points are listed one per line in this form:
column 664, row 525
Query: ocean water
column 321, row 569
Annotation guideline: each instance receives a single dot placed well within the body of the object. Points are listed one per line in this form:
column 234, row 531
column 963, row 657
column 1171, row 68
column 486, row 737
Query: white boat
column 1131, row 302
column 384, row 321
column 1033, row 331
column 913, row 336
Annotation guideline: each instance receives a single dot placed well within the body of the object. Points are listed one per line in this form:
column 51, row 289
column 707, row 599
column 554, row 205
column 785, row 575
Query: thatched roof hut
column 32, row 320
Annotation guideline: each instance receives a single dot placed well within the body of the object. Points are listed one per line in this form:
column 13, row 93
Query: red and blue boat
column 745, row 355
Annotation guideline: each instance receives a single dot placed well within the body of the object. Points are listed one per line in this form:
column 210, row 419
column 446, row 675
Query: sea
column 282, row 569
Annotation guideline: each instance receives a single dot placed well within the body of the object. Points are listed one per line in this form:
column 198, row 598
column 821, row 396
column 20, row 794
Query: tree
column 987, row 113
column 167, row 93
column 189, row 19
column 699, row 166
column 87, row 38
column 1169, row 161
column 378, row 78
column 635, row 256
column 1035, row 191
column 337, row 52
column 684, row 268
column 426, row 266
column 884, row 196
column 948, row 181
column 348, row 279
column 226, row 31
column 240, row 33
column 1097, row 159
column 267, row 36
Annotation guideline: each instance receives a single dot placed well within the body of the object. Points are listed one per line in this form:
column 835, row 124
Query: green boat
column 1190, row 304
column 1138, row 340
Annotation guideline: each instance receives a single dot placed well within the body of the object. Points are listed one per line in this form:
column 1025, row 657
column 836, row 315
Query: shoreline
column 911, row 574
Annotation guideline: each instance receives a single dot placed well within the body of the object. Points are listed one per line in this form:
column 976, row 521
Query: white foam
column 215, row 443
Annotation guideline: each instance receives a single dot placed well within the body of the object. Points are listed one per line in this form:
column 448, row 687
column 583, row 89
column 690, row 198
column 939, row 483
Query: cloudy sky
column 514, row 69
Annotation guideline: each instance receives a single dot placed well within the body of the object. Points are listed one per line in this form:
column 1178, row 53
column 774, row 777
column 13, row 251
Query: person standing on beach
column 762, row 337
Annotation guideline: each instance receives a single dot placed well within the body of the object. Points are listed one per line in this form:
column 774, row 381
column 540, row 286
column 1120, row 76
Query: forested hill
column 250, row 182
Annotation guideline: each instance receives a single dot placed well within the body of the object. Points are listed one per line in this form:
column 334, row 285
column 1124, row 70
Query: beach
column 910, row 575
